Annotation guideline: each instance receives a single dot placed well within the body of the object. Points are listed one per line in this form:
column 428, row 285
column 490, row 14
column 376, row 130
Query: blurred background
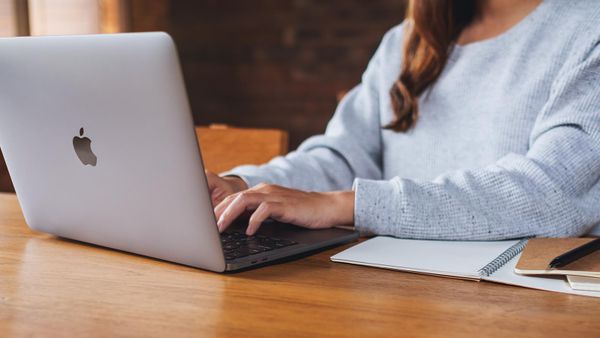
column 248, row 63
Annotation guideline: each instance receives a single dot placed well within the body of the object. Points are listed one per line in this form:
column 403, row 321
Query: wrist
column 342, row 205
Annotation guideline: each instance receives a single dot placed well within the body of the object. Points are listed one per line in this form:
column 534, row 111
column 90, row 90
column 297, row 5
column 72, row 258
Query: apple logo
column 83, row 149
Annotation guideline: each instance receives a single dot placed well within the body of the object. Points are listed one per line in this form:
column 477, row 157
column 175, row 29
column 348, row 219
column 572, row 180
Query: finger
column 264, row 211
column 244, row 201
column 217, row 196
column 235, row 209
column 215, row 187
column 224, row 204
column 222, row 201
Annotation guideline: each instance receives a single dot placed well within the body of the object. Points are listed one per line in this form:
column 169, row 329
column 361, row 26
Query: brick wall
column 270, row 63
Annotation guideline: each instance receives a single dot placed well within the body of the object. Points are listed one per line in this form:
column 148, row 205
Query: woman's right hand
column 221, row 187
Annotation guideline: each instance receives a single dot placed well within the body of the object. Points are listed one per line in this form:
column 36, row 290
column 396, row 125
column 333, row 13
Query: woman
column 491, row 130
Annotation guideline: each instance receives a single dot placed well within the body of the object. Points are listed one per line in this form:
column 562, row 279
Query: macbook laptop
column 100, row 144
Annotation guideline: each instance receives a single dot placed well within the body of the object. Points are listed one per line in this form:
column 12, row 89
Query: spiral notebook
column 492, row 261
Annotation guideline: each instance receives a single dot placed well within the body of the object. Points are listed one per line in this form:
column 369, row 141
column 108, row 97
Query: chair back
column 225, row 147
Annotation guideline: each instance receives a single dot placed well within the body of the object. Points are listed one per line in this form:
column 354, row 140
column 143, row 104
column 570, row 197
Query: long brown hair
column 431, row 29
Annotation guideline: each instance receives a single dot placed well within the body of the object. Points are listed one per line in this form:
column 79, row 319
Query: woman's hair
column 430, row 30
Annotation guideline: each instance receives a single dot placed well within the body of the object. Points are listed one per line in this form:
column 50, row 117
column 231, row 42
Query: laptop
column 100, row 144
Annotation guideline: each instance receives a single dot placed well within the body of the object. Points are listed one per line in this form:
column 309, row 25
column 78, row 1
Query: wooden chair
column 5, row 182
column 225, row 147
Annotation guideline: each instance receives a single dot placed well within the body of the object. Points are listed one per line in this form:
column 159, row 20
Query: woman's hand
column 307, row 209
column 221, row 187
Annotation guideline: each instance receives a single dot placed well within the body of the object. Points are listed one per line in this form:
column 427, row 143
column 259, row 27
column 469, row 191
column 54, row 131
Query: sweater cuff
column 372, row 205
column 248, row 174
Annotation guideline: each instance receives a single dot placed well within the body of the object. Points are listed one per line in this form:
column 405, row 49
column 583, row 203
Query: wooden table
column 55, row 287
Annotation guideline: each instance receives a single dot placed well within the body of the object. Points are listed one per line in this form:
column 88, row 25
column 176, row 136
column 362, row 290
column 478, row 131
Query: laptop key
column 237, row 244
column 229, row 246
column 242, row 252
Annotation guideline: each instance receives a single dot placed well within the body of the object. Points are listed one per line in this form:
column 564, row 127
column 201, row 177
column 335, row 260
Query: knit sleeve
column 349, row 148
column 551, row 191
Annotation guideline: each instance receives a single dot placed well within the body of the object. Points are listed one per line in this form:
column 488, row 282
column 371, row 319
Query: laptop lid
column 99, row 141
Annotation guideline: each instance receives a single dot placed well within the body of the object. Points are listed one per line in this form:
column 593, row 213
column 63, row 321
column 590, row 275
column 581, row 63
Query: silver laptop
column 99, row 141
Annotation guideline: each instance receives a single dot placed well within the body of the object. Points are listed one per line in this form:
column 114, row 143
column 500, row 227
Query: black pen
column 575, row 254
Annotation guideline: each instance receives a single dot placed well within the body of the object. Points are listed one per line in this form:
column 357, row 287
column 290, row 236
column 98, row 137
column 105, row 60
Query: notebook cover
column 539, row 252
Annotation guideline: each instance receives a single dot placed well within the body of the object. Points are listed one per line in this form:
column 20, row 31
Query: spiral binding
column 503, row 258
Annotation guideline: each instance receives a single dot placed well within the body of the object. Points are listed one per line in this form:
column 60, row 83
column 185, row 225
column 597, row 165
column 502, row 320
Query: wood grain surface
column 55, row 287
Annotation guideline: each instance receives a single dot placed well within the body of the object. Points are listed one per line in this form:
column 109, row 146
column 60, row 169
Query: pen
column 575, row 254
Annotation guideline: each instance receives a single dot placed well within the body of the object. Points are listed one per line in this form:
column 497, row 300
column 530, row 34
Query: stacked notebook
column 493, row 261
column 582, row 274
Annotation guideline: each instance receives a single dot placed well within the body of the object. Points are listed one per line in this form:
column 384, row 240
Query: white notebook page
column 450, row 258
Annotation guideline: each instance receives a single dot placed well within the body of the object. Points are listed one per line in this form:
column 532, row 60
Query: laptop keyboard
column 238, row 244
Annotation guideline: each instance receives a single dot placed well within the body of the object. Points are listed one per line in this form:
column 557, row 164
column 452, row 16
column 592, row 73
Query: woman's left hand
column 312, row 210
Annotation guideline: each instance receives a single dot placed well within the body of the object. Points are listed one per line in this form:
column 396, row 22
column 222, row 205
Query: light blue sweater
column 507, row 144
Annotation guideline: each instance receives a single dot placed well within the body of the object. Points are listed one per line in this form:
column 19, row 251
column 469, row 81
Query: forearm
column 350, row 147
column 514, row 198
column 311, row 170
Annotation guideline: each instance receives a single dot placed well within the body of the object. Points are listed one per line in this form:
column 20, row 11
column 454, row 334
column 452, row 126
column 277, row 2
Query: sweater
column 507, row 143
